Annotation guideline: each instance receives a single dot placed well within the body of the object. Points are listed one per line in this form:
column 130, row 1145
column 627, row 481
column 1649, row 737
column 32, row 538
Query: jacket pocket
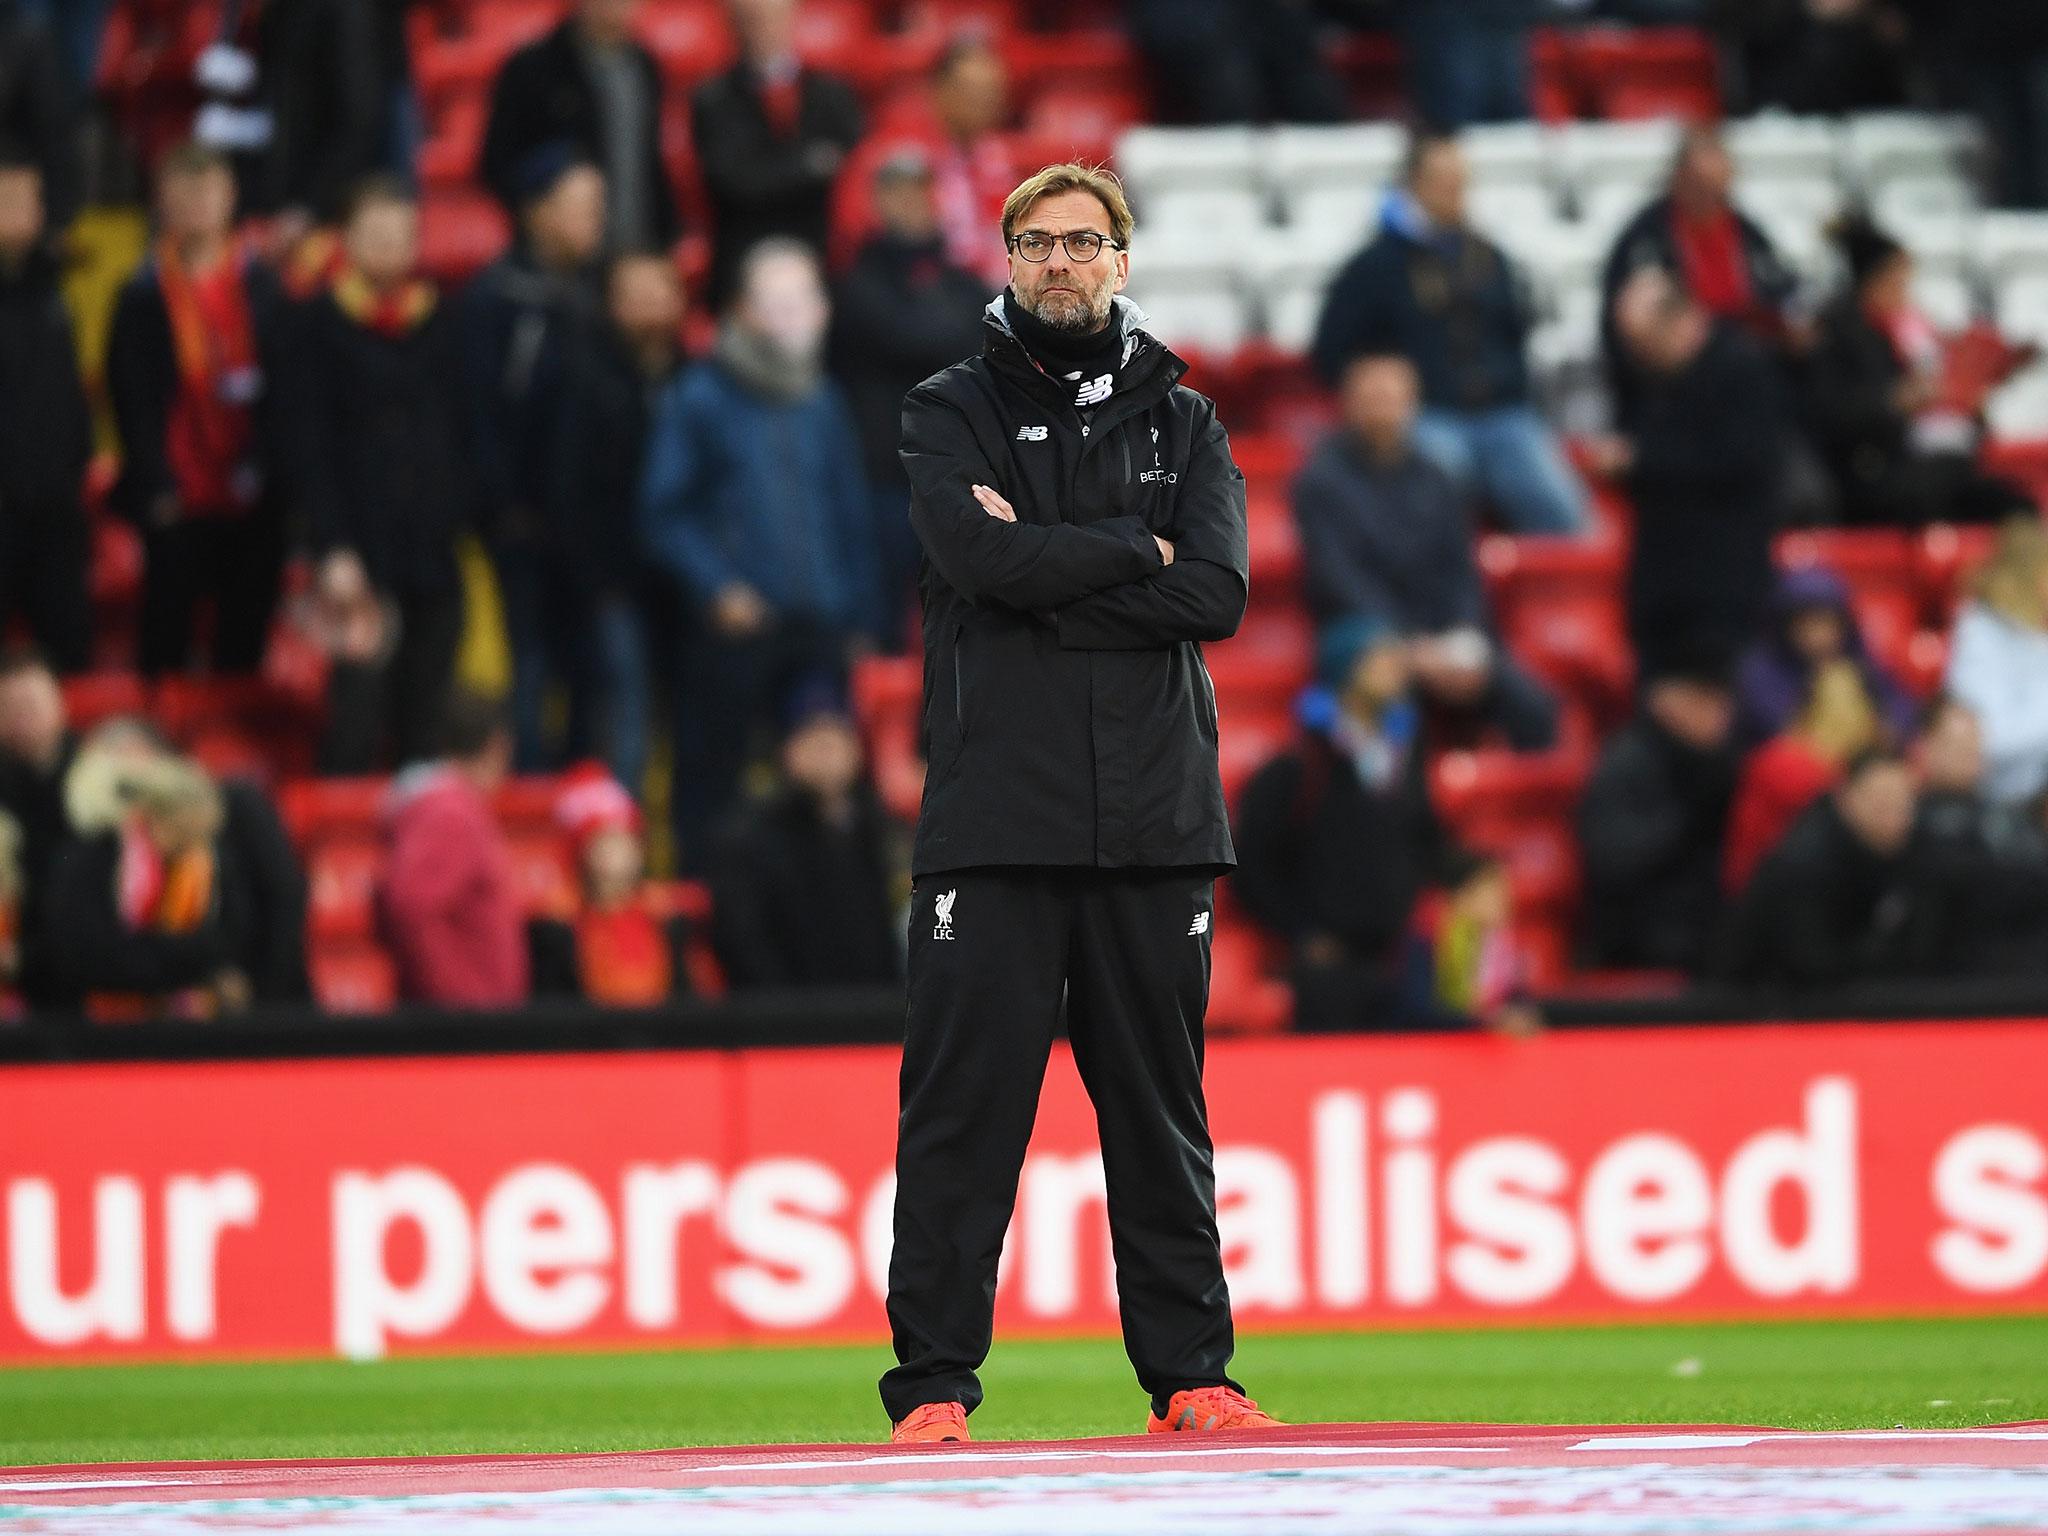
column 959, row 682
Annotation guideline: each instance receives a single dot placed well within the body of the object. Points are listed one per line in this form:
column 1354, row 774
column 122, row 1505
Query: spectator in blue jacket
column 1385, row 538
column 1431, row 289
column 754, row 507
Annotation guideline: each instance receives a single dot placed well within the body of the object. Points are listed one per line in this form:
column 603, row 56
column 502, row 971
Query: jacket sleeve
column 139, row 382
column 1202, row 595
column 1033, row 566
column 672, row 524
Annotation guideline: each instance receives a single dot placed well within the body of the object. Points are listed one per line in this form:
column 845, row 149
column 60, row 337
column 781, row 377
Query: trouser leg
column 988, row 956
column 1137, row 987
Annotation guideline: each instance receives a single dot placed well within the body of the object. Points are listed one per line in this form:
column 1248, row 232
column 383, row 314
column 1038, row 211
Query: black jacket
column 1068, row 717
column 1710, row 443
column 1323, row 853
column 45, row 423
column 327, row 85
column 799, row 902
column 1651, row 827
column 545, row 95
column 901, row 313
column 384, row 438
column 142, row 380
column 1823, row 910
column 760, row 182
column 38, row 109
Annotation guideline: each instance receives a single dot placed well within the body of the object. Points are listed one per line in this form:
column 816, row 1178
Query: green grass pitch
column 1835, row 1375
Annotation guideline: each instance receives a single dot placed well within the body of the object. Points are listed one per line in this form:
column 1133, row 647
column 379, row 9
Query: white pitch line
column 927, row 1458
column 1825, row 1437
column 65, row 1485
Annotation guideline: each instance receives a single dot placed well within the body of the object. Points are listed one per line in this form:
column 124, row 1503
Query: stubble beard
column 1081, row 313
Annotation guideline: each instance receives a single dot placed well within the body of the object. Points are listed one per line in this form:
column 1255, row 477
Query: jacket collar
column 1155, row 362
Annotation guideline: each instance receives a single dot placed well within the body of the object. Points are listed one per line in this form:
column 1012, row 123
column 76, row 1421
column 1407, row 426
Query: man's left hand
column 994, row 505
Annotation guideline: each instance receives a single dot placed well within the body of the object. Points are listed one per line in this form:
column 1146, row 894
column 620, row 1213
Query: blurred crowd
column 689, row 503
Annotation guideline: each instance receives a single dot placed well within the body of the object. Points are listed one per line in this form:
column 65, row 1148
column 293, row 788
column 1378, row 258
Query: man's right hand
column 1165, row 550
column 739, row 612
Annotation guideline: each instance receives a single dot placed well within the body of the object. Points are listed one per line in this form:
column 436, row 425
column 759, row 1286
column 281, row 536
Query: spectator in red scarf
column 619, row 945
column 189, row 368
column 452, row 908
column 1695, row 234
column 382, row 434
column 1897, row 405
column 771, row 136
column 958, row 125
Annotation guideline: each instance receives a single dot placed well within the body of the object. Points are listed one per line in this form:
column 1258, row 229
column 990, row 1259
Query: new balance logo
column 942, row 909
column 1096, row 390
column 1033, row 434
column 1199, row 925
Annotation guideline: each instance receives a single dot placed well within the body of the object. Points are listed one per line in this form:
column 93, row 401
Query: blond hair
column 2010, row 582
column 1097, row 180
column 1840, row 717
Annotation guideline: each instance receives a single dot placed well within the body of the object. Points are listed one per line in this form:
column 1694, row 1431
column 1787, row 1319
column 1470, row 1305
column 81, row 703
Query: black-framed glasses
column 1081, row 244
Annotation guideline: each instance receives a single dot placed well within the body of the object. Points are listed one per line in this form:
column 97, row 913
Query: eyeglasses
column 1082, row 244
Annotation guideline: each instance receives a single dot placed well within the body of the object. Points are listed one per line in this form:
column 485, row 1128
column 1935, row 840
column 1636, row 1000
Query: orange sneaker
column 1201, row 1408
column 930, row 1423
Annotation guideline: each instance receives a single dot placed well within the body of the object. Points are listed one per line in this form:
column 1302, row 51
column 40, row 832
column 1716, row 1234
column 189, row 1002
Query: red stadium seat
column 690, row 38
column 354, row 976
column 96, row 696
column 1924, row 665
column 462, row 230
column 541, row 861
column 833, row 34
column 1273, row 650
column 449, row 156
column 527, row 805
column 1275, row 544
column 471, row 58
column 1883, row 575
column 994, row 19
column 1245, row 998
column 1945, row 557
column 1247, row 740
column 1498, row 783
column 314, row 809
column 888, row 702
column 342, row 877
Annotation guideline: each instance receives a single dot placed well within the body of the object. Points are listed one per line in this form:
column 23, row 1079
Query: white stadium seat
column 1292, row 310
column 1606, row 208
column 1232, row 217
column 1946, row 299
column 1360, row 154
column 2020, row 409
column 1811, row 200
column 1906, row 198
column 1209, row 318
column 1638, row 154
column 1777, row 147
column 1154, row 160
column 1349, row 213
column 1883, row 146
column 2022, row 306
column 1939, row 243
column 1293, row 254
column 1511, row 213
column 2012, row 243
column 1521, row 153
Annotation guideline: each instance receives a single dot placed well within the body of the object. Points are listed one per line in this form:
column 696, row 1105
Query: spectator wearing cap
column 1998, row 662
column 1431, row 289
column 901, row 312
column 45, row 433
column 1337, row 839
column 591, row 85
column 388, row 487
column 451, row 904
column 1705, row 462
column 753, row 509
column 1386, row 538
column 1851, row 895
column 1694, row 234
column 809, row 885
column 617, row 945
column 1896, row 407
column 1653, row 821
column 958, row 124
column 533, row 326
column 1812, row 623
column 191, row 364
column 771, row 136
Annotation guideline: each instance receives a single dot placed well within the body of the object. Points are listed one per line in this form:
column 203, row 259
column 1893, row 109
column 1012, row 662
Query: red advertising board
column 366, row 1207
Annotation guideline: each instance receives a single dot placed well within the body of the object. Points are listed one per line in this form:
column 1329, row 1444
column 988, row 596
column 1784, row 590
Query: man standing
column 1084, row 529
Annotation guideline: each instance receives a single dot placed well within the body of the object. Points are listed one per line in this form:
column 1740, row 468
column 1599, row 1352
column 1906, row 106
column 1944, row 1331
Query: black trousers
column 44, row 555
column 236, row 561
column 387, row 714
column 992, row 952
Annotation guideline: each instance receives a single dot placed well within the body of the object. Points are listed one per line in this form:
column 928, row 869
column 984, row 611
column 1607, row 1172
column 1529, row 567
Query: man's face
column 1705, row 174
column 766, row 28
column 1952, row 752
column 21, row 210
column 1067, row 294
column 906, row 207
column 973, row 97
column 570, row 219
column 1379, row 399
column 1378, row 678
column 613, row 862
column 784, row 302
column 646, row 299
column 31, row 715
column 197, row 205
column 1817, row 634
column 384, row 241
column 1439, row 185
column 823, row 756
column 1696, row 713
column 1878, row 805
